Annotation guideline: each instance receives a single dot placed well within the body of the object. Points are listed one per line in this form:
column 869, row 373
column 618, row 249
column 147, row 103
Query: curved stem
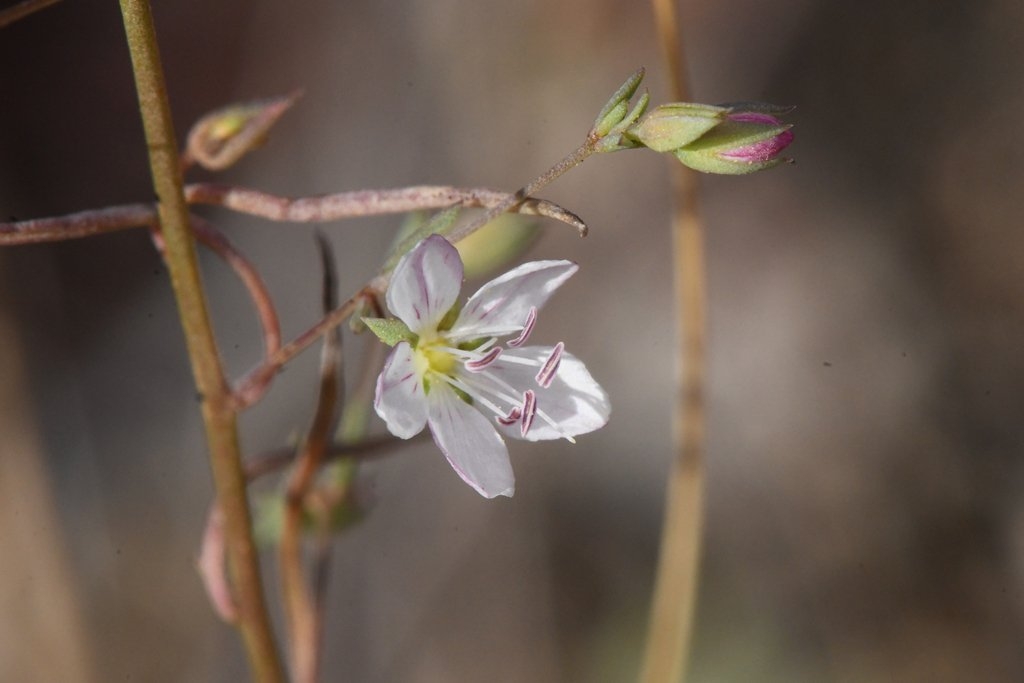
column 669, row 634
column 218, row 410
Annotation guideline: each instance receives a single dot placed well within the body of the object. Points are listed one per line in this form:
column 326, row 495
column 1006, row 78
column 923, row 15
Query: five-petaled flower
column 453, row 375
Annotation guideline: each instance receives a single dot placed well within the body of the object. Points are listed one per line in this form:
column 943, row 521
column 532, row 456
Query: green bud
column 390, row 330
column 617, row 107
column 671, row 126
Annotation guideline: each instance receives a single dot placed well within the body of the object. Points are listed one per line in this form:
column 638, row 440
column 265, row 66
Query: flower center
column 435, row 357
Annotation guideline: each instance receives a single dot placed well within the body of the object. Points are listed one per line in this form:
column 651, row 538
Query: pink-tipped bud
column 747, row 141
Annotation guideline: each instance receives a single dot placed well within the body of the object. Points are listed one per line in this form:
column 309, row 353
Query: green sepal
column 616, row 139
column 672, row 126
column 390, row 330
column 616, row 108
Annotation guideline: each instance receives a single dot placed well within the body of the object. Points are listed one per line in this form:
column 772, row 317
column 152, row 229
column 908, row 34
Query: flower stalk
column 669, row 634
column 218, row 411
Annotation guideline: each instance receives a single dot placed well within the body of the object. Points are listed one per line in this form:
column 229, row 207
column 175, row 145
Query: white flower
column 467, row 387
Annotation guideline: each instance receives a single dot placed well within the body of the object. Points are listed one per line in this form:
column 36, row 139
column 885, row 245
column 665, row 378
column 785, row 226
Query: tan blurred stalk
column 41, row 634
column 670, row 630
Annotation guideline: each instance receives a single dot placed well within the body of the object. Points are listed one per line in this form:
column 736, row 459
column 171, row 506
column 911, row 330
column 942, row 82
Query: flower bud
column 746, row 141
column 615, row 110
column 671, row 126
column 222, row 137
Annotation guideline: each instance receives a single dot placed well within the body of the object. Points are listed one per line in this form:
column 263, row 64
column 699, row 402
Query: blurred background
column 864, row 512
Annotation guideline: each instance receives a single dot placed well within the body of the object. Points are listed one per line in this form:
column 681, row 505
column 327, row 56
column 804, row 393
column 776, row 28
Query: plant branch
column 514, row 201
column 12, row 14
column 670, row 629
column 215, row 241
column 300, row 605
column 323, row 208
column 217, row 407
column 359, row 203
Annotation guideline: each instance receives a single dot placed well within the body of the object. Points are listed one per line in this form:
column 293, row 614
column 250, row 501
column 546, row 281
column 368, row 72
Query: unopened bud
column 615, row 110
column 747, row 141
column 222, row 137
column 672, row 126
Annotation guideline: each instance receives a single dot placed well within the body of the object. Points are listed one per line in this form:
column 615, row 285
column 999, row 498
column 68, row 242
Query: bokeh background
column 864, row 512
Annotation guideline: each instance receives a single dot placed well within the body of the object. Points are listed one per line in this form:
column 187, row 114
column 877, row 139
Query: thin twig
column 300, row 606
column 77, row 225
column 23, row 9
column 218, row 411
column 254, row 384
column 359, row 203
column 514, row 201
column 322, row 208
column 669, row 634
column 112, row 219
column 215, row 240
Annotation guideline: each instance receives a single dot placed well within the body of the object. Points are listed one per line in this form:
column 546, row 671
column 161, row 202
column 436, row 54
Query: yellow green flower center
column 431, row 358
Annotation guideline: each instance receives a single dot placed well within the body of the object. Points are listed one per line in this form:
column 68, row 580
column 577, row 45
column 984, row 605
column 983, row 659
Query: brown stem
column 513, row 201
column 77, row 225
column 218, row 411
column 273, row 207
column 299, row 602
column 12, row 14
column 341, row 205
column 215, row 240
column 670, row 629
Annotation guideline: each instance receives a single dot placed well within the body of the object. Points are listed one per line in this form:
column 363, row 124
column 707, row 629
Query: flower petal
column 470, row 442
column 573, row 401
column 400, row 399
column 425, row 284
column 502, row 306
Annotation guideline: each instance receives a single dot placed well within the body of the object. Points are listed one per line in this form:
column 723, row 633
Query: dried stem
column 341, row 205
column 77, row 225
column 12, row 14
column 323, row 208
column 300, row 605
column 218, row 410
column 669, row 633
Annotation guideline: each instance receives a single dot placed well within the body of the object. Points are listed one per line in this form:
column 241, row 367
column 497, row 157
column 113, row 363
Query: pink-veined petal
column 574, row 401
column 400, row 399
column 425, row 284
column 470, row 442
column 502, row 306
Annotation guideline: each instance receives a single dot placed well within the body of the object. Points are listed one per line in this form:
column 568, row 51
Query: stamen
column 531, row 320
column 485, row 360
column 512, row 417
column 476, row 392
column 529, row 410
column 547, row 371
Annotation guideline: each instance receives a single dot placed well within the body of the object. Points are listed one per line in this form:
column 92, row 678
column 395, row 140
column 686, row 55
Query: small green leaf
column 390, row 330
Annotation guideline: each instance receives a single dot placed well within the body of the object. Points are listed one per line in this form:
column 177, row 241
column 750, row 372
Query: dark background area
column 865, row 521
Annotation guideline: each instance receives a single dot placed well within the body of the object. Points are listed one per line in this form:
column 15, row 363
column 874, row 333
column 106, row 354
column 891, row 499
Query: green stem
column 218, row 411
column 670, row 630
